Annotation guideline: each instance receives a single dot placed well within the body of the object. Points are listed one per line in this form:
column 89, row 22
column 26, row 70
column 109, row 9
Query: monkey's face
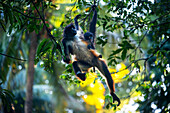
column 88, row 36
column 70, row 30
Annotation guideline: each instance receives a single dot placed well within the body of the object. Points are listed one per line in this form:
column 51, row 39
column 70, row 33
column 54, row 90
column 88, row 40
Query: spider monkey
column 76, row 44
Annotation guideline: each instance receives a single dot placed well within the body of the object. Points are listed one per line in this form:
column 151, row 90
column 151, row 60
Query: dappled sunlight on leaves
column 56, row 21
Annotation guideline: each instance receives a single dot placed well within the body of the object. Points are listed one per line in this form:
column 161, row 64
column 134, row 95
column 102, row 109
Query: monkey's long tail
column 110, row 83
column 102, row 67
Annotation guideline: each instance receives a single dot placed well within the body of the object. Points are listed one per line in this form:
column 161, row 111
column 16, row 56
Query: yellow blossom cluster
column 96, row 87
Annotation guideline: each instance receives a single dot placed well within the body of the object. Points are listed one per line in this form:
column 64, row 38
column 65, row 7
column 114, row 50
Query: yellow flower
column 120, row 74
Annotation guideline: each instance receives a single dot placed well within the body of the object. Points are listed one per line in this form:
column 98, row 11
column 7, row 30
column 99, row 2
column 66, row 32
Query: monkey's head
column 69, row 31
column 88, row 36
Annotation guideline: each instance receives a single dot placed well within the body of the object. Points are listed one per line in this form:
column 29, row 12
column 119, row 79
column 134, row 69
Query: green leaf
column 129, row 6
column 43, row 47
column 150, row 51
column 111, row 62
column 107, row 106
column 11, row 17
column 47, row 25
column 9, row 94
column 123, row 56
column 54, row 49
column 116, row 52
column 2, row 24
column 10, row 29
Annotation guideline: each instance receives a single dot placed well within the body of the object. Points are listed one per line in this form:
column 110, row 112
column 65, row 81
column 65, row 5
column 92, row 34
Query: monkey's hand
column 93, row 7
column 77, row 17
column 115, row 98
column 89, row 47
column 100, row 56
column 67, row 60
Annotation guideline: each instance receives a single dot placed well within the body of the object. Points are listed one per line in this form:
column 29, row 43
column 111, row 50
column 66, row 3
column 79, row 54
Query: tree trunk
column 30, row 73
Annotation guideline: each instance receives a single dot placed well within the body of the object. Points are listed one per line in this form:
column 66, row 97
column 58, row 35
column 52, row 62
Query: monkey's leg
column 104, row 70
column 78, row 72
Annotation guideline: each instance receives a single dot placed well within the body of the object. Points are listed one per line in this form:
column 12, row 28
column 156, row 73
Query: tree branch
column 145, row 59
column 52, row 38
column 158, row 48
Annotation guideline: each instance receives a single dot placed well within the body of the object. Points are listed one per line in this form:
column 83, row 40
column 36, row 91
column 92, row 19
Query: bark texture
column 30, row 73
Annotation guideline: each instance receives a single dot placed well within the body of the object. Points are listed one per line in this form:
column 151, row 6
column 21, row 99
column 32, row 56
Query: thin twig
column 25, row 14
column 140, row 41
column 134, row 61
column 161, row 24
column 12, row 57
column 129, row 95
column 159, row 17
column 85, row 17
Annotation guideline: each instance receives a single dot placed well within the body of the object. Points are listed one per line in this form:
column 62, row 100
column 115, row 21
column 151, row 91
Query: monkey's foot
column 115, row 98
column 81, row 76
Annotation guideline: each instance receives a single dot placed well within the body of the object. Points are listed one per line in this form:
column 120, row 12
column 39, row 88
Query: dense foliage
column 143, row 43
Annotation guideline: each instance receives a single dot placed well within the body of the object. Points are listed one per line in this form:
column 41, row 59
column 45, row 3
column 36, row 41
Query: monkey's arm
column 93, row 22
column 76, row 22
column 66, row 52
